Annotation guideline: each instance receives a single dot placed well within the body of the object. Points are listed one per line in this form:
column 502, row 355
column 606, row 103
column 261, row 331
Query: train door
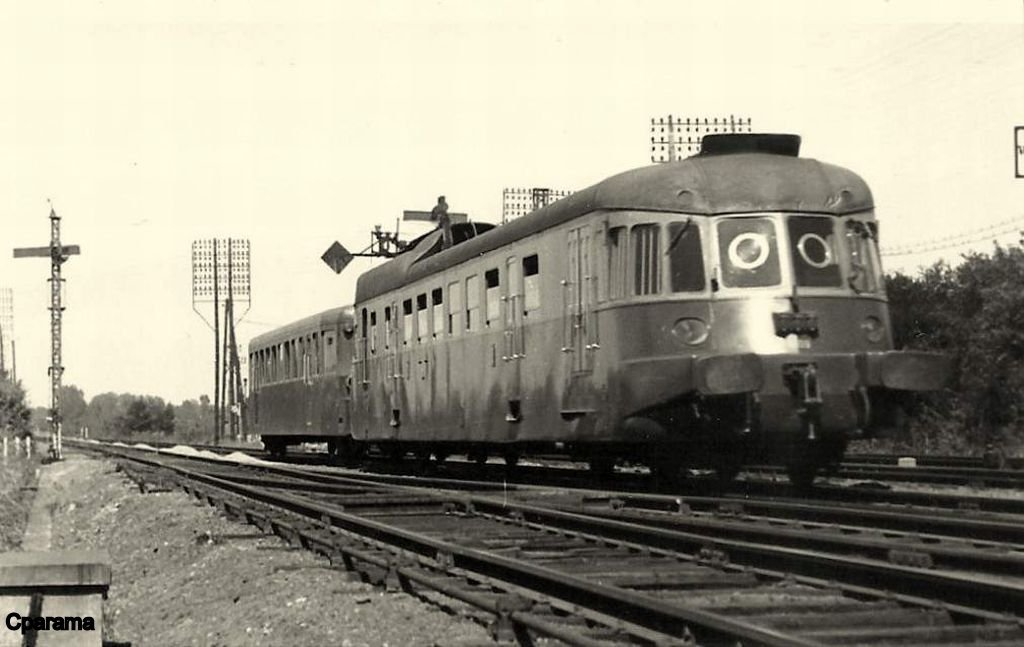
column 579, row 324
column 580, row 329
column 420, row 381
column 307, row 380
column 351, row 401
column 514, row 348
column 393, row 369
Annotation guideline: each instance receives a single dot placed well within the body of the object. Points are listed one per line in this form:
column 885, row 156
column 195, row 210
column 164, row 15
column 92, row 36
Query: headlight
column 691, row 331
column 873, row 329
column 749, row 250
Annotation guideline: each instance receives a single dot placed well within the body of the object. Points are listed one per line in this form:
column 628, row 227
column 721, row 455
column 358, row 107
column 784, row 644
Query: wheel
column 602, row 467
column 730, row 459
column 801, row 472
column 276, row 446
column 832, row 451
column 666, row 471
column 727, row 470
column 396, row 453
column 511, row 459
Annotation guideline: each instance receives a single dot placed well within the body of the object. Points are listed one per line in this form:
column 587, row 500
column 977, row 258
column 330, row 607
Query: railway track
column 1016, row 463
column 760, row 481
column 618, row 570
column 936, row 475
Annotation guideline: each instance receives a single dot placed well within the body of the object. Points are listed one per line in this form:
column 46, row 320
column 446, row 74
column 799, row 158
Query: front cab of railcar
column 759, row 288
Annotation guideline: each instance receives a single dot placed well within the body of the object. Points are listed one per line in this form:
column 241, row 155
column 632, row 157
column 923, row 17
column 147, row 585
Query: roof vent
column 751, row 143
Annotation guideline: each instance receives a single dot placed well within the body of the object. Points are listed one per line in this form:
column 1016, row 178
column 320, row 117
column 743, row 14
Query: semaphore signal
column 58, row 255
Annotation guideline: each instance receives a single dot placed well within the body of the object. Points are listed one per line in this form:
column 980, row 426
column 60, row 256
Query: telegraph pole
column 232, row 365
column 518, row 201
column 667, row 134
column 7, row 333
column 58, row 255
column 221, row 276
column 217, row 424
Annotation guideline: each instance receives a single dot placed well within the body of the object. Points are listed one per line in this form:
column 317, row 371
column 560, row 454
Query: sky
column 148, row 125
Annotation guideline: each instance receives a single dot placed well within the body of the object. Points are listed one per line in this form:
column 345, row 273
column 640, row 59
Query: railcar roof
column 703, row 185
column 313, row 323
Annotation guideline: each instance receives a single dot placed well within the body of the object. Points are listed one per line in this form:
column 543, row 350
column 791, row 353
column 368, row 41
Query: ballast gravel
column 184, row 575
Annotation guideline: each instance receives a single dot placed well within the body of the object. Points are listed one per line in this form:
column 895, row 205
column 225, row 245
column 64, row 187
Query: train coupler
column 802, row 380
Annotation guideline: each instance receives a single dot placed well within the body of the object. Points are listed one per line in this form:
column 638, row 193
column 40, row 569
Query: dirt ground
column 183, row 575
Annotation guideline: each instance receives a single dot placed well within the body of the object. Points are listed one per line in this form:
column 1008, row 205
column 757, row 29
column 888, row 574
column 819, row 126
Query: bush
column 975, row 313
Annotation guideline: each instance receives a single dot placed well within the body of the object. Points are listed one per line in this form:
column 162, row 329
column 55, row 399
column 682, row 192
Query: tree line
column 124, row 415
column 974, row 312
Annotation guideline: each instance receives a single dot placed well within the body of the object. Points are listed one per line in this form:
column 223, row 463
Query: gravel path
column 183, row 575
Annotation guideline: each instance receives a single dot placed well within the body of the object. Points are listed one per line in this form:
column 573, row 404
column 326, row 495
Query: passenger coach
column 300, row 381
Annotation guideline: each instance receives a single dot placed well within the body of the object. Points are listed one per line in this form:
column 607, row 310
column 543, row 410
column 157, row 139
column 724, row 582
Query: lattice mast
column 675, row 138
column 58, row 255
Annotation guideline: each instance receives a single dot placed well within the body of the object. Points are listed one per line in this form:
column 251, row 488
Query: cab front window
column 812, row 243
column 748, row 252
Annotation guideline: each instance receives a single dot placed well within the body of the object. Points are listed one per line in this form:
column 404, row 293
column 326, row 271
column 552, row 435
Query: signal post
column 58, row 255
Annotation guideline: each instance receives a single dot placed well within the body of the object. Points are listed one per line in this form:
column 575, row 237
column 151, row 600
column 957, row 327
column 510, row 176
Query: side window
column 646, row 268
column 531, row 283
column 437, row 310
column 304, row 357
column 493, row 296
column 317, row 354
column 422, row 332
column 388, row 327
column 514, row 288
column 286, row 359
column 407, row 321
column 373, row 331
column 472, row 303
column 331, row 354
column 617, row 268
column 863, row 274
column 454, row 308
column 685, row 257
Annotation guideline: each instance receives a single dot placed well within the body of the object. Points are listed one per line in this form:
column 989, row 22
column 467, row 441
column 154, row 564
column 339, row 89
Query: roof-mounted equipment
column 731, row 143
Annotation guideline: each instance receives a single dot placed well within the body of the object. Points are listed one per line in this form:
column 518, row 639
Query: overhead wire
column 961, row 239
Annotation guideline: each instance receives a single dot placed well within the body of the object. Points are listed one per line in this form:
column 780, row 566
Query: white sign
column 1018, row 145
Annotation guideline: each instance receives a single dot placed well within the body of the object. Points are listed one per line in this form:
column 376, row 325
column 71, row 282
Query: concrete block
column 67, row 588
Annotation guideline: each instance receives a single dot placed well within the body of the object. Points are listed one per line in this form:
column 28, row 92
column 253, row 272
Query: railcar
column 694, row 313
column 300, row 381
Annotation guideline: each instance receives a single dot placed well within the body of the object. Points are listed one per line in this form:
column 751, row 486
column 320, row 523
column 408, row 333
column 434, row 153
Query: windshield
column 749, row 253
column 812, row 243
column 822, row 251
